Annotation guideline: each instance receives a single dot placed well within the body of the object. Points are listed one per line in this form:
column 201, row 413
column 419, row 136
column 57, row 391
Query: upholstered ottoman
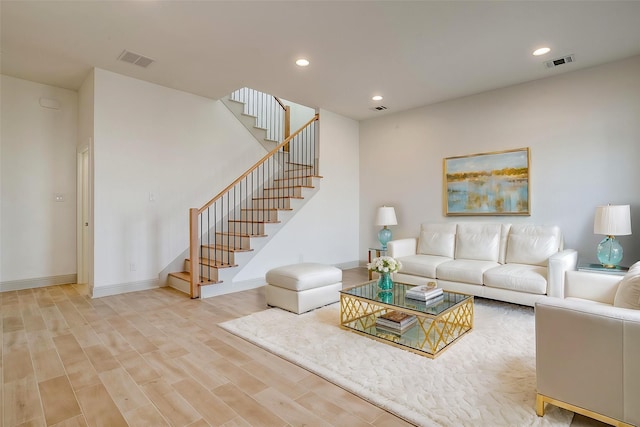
column 303, row 287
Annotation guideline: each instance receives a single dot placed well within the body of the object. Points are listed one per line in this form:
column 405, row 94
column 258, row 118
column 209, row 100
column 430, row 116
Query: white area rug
column 486, row 378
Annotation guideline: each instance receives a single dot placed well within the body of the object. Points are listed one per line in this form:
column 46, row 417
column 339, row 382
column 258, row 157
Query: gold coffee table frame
column 438, row 326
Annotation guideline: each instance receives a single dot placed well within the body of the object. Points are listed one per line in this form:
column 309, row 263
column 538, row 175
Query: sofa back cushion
column 478, row 241
column 628, row 293
column 437, row 239
column 532, row 244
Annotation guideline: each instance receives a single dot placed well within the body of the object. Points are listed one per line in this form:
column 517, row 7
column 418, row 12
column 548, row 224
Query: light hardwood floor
column 157, row 358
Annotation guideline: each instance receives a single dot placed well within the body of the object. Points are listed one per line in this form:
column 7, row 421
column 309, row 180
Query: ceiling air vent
column 134, row 58
column 379, row 108
column 560, row 61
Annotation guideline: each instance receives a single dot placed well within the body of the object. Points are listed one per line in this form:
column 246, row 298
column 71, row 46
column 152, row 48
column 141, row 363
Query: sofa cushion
column 628, row 293
column 421, row 265
column 532, row 244
column 437, row 239
column 464, row 270
column 478, row 241
column 518, row 277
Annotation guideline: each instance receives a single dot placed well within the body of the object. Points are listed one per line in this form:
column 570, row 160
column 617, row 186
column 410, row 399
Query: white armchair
column 588, row 351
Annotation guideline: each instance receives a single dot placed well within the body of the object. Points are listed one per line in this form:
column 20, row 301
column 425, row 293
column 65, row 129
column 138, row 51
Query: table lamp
column 386, row 216
column 611, row 220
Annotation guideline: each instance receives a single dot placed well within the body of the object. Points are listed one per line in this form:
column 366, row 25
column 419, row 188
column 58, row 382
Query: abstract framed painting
column 488, row 184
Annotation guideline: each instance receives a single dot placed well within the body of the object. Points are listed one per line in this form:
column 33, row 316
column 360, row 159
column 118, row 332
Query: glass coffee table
column 439, row 324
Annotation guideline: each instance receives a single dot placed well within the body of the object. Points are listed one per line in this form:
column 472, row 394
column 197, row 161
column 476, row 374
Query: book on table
column 396, row 321
column 423, row 292
column 422, row 305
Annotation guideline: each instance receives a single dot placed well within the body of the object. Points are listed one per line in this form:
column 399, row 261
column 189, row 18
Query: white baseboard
column 123, row 288
column 38, row 282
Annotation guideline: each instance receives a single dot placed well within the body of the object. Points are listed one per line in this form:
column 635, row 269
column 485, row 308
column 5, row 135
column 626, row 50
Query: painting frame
column 488, row 184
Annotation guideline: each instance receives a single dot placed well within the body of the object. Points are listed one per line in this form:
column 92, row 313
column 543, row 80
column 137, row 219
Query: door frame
column 83, row 215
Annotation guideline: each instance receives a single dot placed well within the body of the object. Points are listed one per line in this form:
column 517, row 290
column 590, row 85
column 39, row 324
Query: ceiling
column 412, row 53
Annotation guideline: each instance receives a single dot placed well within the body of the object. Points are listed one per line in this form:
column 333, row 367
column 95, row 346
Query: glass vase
column 385, row 296
column 384, row 282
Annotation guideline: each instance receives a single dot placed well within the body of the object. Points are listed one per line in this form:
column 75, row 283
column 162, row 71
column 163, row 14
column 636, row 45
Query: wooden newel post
column 194, row 253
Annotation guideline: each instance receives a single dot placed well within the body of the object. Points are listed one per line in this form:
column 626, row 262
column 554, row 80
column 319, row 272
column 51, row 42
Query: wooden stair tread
column 254, row 221
column 186, row 276
column 225, row 248
column 279, row 197
column 288, row 187
column 266, row 209
column 215, row 264
column 228, row 233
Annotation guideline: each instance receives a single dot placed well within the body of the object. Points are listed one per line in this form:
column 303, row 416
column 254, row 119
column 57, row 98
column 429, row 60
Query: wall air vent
column 560, row 61
column 134, row 58
column 379, row 108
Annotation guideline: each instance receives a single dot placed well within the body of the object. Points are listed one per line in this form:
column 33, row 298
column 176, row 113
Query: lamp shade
column 612, row 220
column 386, row 216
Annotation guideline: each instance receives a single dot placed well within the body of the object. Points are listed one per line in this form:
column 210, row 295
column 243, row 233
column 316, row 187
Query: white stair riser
column 240, row 242
column 218, row 255
column 252, row 228
column 306, row 181
column 209, row 273
column 259, row 215
column 283, row 192
column 179, row 284
column 296, row 173
column 272, row 203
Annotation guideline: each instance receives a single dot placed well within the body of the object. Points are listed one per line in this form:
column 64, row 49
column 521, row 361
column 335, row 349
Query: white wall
column 38, row 161
column 583, row 129
column 153, row 142
column 299, row 114
column 325, row 229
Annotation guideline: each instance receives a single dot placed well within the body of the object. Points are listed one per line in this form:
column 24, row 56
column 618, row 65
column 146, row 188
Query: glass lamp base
column 384, row 236
column 609, row 252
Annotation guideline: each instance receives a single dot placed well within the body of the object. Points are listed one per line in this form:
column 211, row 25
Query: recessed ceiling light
column 302, row 62
column 541, row 51
column 376, row 98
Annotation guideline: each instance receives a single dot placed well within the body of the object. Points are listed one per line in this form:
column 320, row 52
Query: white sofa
column 518, row 263
column 588, row 347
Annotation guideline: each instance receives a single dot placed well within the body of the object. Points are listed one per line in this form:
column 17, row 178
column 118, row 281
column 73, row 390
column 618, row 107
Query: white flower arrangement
column 384, row 264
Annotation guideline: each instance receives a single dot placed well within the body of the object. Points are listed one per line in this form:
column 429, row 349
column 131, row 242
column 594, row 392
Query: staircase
column 228, row 230
column 264, row 115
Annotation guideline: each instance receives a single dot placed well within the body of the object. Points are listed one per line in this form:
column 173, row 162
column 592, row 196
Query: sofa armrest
column 586, row 355
column 591, row 286
column 402, row 247
column 558, row 265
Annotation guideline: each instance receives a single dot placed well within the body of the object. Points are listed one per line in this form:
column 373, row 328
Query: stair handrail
column 194, row 213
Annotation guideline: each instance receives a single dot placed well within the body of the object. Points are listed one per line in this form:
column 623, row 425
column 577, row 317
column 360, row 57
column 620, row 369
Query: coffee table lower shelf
column 430, row 335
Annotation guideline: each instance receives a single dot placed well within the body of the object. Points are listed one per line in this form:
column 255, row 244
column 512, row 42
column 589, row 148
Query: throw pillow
column 628, row 293
column 434, row 243
column 437, row 239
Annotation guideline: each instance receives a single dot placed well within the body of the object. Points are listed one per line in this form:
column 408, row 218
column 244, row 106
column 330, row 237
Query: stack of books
column 428, row 293
column 395, row 322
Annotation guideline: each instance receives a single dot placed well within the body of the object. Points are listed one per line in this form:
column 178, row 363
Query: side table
column 378, row 252
column 598, row 268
